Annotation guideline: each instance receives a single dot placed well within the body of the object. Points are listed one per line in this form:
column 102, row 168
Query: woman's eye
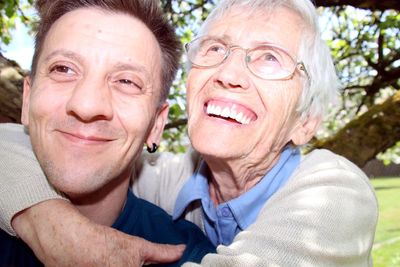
column 269, row 57
column 217, row 49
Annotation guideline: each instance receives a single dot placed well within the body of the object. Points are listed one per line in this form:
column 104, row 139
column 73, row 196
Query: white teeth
column 217, row 111
column 213, row 109
column 225, row 113
column 245, row 120
column 228, row 113
column 233, row 114
column 208, row 109
column 239, row 117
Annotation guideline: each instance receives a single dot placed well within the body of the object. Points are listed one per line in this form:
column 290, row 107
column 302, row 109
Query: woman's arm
column 58, row 234
column 325, row 215
column 23, row 183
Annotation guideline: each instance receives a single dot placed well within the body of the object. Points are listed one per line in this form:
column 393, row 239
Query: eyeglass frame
column 297, row 64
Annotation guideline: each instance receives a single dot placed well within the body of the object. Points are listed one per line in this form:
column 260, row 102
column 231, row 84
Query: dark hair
column 147, row 11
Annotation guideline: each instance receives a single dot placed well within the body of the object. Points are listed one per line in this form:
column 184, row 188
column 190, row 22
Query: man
column 100, row 76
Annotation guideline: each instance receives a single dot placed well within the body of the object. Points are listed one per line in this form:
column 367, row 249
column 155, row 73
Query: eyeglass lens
column 266, row 61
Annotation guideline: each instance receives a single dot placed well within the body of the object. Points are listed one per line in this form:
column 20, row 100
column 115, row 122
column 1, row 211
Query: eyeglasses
column 267, row 61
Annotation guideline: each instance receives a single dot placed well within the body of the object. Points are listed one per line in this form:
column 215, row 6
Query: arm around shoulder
column 23, row 183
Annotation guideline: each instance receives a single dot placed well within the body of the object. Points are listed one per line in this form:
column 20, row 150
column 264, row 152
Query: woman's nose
column 233, row 73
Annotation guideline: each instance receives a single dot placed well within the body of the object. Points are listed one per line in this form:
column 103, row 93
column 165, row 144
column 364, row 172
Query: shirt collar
column 246, row 207
column 196, row 188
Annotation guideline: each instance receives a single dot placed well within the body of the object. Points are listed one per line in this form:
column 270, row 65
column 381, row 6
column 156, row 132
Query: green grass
column 386, row 252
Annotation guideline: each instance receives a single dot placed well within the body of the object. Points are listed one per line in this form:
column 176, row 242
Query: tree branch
column 364, row 4
column 176, row 124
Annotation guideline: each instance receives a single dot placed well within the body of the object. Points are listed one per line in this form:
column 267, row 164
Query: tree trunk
column 11, row 80
column 364, row 137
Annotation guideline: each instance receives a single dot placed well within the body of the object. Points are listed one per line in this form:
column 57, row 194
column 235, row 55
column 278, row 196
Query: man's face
column 94, row 100
column 268, row 119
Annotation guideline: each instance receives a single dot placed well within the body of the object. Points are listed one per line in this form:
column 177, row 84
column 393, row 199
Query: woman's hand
column 60, row 236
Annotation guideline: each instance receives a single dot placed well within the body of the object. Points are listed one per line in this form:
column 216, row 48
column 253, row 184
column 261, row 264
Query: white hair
column 323, row 86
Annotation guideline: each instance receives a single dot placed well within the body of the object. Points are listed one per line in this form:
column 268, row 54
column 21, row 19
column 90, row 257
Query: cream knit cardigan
column 325, row 214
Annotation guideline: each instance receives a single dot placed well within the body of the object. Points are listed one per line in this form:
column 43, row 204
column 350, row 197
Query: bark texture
column 11, row 81
column 364, row 137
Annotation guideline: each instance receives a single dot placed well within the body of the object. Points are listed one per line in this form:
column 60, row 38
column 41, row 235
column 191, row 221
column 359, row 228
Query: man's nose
column 233, row 72
column 91, row 100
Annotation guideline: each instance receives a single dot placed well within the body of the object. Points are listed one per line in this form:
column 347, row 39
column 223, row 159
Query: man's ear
column 305, row 130
column 158, row 127
column 25, row 101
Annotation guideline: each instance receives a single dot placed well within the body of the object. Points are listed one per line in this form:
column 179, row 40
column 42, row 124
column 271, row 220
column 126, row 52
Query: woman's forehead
column 281, row 26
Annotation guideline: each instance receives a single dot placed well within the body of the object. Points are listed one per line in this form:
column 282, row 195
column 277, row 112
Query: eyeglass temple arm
column 302, row 67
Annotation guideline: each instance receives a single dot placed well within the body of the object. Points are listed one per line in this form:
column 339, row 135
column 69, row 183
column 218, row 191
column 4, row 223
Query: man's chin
column 75, row 184
column 73, row 188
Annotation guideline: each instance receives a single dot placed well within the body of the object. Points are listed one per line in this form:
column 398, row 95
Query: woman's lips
column 232, row 111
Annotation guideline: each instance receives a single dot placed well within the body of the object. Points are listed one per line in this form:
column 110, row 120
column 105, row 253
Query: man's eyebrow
column 64, row 53
column 120, row 66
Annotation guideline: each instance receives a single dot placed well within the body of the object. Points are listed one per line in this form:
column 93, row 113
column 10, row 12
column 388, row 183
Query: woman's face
column 269, row 119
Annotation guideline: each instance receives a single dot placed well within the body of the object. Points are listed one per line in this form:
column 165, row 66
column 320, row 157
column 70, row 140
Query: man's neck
column 105, row 205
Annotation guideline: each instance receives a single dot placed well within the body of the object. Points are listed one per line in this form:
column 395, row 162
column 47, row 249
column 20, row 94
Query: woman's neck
column 231, row 178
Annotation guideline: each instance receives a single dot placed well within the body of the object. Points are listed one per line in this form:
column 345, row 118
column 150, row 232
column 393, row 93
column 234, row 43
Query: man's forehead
column 101, row 23
column 120, row 38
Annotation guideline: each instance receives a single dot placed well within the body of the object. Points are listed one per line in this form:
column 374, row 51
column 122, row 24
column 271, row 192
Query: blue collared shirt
column 224, row 222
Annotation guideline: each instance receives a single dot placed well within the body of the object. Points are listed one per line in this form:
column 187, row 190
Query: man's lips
column 231, row 111
column 85, row 139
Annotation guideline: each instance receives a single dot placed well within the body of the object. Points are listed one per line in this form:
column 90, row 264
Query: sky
column 21, row 47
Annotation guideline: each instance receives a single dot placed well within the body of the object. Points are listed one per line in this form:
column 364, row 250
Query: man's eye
column 128, row 86
column 62, row 69
column 128, row 82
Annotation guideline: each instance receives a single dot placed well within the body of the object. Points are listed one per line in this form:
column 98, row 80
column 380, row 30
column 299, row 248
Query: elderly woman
column 259, row 81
